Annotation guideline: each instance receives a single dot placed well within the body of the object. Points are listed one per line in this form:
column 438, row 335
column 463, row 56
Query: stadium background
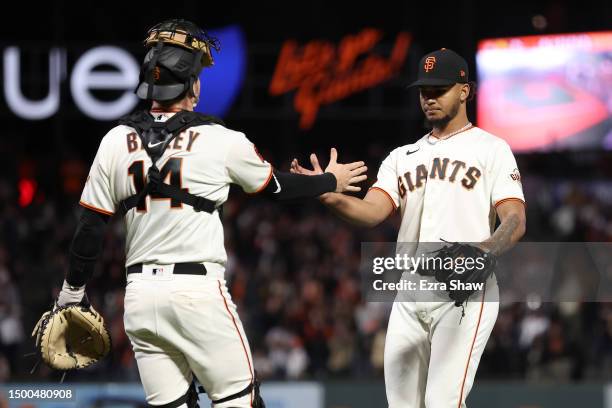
column 293, row 268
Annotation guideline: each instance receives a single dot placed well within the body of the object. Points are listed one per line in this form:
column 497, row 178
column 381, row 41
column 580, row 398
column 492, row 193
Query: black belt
column 186, row 268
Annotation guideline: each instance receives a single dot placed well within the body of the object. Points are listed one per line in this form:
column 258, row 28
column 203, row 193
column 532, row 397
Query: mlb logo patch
column 516, row 176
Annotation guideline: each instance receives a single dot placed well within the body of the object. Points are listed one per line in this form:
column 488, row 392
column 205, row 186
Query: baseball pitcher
column 449, row 186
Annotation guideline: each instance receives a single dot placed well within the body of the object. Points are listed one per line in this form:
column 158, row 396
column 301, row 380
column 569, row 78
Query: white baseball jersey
column 448, row 189
column 204, row 160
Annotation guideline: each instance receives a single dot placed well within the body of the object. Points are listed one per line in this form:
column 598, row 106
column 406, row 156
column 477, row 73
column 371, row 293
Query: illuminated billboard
column 321, row 72
column 113, row 68
column 549, row 92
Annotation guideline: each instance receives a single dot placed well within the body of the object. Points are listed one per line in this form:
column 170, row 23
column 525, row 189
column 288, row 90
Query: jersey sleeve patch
column 505, row 175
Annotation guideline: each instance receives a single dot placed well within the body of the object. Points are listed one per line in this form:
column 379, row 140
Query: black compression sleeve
column 86, row 246
column 289, row 186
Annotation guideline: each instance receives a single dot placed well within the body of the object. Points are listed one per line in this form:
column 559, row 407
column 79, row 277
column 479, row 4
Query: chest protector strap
column 155, row 138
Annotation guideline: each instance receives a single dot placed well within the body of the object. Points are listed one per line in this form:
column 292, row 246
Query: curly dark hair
column 473, row 88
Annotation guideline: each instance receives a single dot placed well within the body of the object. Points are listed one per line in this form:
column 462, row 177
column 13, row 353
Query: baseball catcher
column 167, row 171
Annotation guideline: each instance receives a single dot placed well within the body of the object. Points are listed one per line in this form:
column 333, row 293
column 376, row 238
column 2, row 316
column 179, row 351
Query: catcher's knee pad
column 258, row 402
column 190, row 398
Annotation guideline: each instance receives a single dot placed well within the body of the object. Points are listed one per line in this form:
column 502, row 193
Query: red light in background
column 27, row 190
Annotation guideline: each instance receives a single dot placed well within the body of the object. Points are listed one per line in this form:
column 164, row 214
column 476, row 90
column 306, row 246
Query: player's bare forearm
column 367, row 212
column 511, row 229
column 348, row 208
column 506, row 235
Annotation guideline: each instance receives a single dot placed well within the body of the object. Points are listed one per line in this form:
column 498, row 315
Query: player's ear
column 464, row 94
column 195, row 92
column 196, row 87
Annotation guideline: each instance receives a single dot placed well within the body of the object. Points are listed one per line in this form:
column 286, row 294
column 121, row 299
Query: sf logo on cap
column 429, row 63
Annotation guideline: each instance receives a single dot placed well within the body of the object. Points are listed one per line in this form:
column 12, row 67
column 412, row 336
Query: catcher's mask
column 178, row 51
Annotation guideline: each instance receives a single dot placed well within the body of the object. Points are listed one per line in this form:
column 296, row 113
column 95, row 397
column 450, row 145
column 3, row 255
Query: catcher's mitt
column 480, row 270
column 72, row 337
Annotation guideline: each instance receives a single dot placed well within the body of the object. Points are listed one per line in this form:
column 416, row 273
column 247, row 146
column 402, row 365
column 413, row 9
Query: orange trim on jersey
column 388, row 196
column 509, row 199
column 265, row 184
column 240, row 336
column 467, row 365
column 96, row 209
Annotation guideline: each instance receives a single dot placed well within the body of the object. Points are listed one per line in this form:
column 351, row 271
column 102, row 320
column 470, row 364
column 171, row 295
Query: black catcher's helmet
column 179, row 50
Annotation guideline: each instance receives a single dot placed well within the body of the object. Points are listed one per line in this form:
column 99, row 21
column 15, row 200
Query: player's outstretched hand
column 346, row 174
column 296, row 168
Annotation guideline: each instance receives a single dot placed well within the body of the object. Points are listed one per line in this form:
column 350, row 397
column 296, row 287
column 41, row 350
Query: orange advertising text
column 322, row 73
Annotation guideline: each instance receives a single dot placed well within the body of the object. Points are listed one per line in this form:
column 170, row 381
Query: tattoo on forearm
column 501, row 240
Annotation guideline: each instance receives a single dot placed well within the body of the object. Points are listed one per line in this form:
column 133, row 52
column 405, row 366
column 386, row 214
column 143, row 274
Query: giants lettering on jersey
column 134, row 143
column 442, row 169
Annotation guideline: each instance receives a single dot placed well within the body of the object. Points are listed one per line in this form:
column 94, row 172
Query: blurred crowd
column 293, row 272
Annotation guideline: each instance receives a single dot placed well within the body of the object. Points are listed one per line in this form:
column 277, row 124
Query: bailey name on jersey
column 183, row 140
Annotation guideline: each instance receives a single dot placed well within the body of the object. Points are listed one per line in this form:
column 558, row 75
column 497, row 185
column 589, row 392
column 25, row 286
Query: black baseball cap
column 441, row 67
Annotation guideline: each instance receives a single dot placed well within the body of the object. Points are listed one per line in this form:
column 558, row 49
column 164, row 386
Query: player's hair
column 472, row 93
